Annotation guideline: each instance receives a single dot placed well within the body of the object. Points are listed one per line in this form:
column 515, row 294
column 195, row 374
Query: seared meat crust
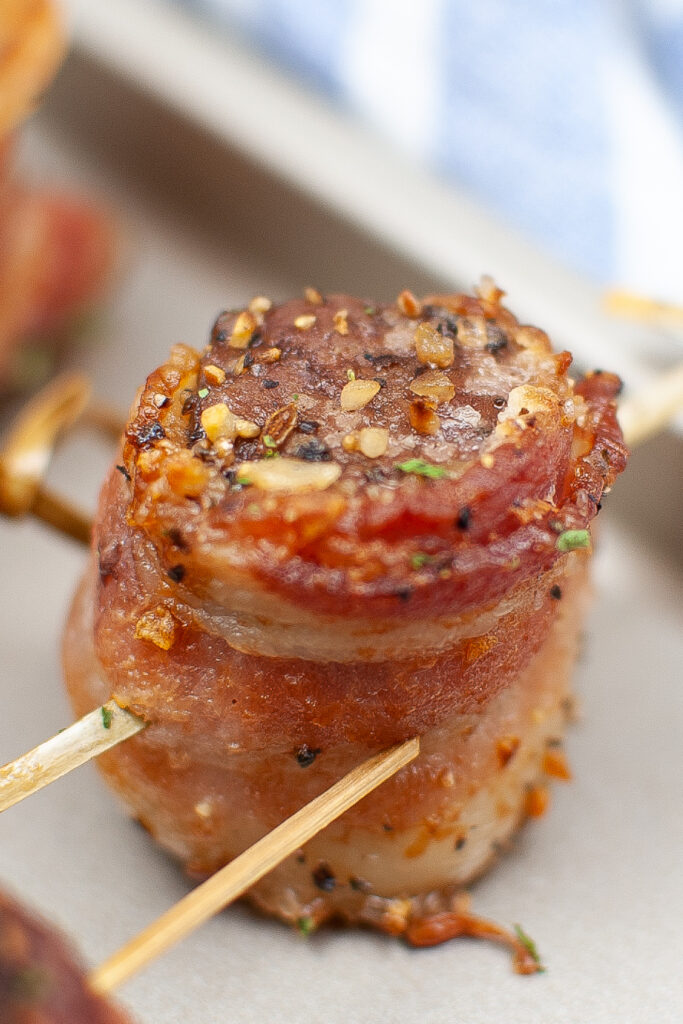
column 503, row 479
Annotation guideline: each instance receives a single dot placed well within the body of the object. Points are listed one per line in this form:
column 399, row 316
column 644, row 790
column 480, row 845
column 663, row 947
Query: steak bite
column 341, row 525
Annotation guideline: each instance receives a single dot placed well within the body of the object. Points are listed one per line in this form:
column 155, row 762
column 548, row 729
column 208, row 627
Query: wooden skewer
column 233, row 880
column 86, row 738
column 649, row 411
column 26, row 455
column 27, row 452
column 639, row 307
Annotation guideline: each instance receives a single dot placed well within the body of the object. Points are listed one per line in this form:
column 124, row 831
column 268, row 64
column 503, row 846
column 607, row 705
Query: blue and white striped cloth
column 565, row 117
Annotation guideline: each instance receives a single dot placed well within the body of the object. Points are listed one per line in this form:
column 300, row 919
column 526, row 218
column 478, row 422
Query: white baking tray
column 597, row 883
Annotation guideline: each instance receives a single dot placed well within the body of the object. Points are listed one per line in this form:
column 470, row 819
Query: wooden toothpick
column 243, row 872
column 650, row 410
column 28, row 450
column 86, row 738
column 630, row 306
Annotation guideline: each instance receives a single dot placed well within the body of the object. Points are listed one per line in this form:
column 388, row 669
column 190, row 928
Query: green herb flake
column 271, row 447
column 421, row 468
column 107, row 716
column 351, row 374
column 369, row 310
column 529, row 945
column 203, row 392
column 306, row 925
column 295, row 397
column 570, row 540
column 420, row 559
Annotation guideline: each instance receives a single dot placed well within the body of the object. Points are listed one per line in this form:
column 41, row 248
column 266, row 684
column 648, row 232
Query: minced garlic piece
column 224, row 449
column 214, row 374
column 185, row 474
column 289, row 475
column 433, row 385
column 408, row 304
column 527, row 398
column 358, row 393
column 487, row 460
column 350, row 442
column 245, row 428
column 313, row 296
column 260, row 305
column 533, row 339
column 243, row 331
column 270, row 355
column 433, row 347
column 305, row 322
column 395, row 916
column 488, row 290
column 373, row 441
column 340, row 322
column 157, row 626
column 220, row 423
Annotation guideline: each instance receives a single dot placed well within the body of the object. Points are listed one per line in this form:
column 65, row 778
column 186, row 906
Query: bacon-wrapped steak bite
column 56, row 255
column 40, row 981
column 56, row 250
column 341, row 525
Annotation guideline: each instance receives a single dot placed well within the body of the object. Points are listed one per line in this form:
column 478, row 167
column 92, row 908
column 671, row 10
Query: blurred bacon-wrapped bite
column 56, row 250
column 40, row 979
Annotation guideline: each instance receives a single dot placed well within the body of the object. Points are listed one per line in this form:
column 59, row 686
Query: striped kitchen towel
column 565, row 117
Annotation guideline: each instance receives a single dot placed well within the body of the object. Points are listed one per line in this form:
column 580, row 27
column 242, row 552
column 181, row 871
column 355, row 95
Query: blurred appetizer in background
column 341, row 525
column 56, row 250
column 41, row 982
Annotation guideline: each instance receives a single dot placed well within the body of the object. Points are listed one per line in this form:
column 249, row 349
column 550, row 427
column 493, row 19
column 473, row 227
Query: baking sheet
column 208, row 75
column 597, row 883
